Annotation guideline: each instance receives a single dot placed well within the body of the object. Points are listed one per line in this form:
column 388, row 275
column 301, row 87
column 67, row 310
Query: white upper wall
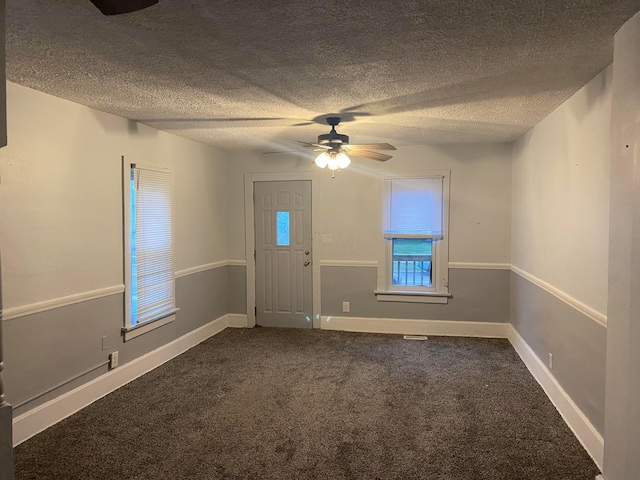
column 61, row 197
column 350, row 206
column 560, row 217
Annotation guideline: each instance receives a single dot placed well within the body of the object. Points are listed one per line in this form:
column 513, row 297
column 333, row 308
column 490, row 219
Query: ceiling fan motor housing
column 333, row 136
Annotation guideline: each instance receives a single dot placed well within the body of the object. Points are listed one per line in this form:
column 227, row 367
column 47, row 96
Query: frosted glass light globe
column 322, row 159
column 343, row 161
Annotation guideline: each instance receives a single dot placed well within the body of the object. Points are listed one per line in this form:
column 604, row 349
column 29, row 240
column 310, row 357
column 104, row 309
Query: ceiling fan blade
column 380, row 157
column 372, row 146
column 116, row 7
column 294, row 151
column 283, row 151
column 219, row 122
column 309, row 145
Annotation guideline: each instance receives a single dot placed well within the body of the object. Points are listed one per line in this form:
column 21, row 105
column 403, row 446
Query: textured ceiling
column 258, row 74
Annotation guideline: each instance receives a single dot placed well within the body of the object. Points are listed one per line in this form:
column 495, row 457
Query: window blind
column 152, row 279
column 415, row 207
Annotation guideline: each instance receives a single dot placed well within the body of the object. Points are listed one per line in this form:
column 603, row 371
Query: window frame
column 130, row 330
column 439, row 290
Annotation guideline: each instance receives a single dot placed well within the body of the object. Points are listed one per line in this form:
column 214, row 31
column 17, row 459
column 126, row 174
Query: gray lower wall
column 478, row 296
column 237, row 281
column 577, row 342
column 47, row 348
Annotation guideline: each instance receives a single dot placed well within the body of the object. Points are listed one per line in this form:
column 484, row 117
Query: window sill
column 412, row 297
column 136, row 331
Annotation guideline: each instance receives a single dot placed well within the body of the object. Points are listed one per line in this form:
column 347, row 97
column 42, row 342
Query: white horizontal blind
column 152, row 245
column 415, row 206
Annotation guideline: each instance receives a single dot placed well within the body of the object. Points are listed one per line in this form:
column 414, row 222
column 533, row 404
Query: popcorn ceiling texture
column 257, row 75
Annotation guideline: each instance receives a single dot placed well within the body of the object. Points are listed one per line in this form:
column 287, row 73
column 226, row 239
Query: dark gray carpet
column 295, row 404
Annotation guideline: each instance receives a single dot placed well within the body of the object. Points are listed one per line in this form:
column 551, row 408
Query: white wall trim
column 238, row 263
column 480, row 266
column 416, row 327
column 592, row 313
column 237, row 320
column 24, row 310
column 200, row 268
column 586, row 433
column 43, row 416
column 348, row 263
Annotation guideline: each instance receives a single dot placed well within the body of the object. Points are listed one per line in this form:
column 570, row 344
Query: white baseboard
column 416, row 327
column 237, row 320
column 42, row 417
column 582, row 428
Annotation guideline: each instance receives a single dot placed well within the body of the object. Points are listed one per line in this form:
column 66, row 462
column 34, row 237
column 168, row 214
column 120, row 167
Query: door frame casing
column 250, row 236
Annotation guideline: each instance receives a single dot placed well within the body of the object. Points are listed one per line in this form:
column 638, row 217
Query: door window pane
column 411, row 262
column 283, row 235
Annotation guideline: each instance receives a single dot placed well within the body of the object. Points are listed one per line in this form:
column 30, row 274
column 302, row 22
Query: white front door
column 282, row 213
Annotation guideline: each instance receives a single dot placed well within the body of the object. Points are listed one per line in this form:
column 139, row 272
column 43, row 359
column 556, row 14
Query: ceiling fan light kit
column 333, row 160
column 334, row 148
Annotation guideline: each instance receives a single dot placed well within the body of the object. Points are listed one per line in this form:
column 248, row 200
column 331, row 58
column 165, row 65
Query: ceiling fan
column 117, row 7
column 334, row 148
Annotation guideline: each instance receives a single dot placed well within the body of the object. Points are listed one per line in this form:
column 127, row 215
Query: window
column 284, row 235
column 411, row 262
column 416, row 244
column 149, row 275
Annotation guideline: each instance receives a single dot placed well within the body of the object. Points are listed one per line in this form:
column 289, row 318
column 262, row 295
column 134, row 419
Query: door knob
column 306, row 263
column 306, row 252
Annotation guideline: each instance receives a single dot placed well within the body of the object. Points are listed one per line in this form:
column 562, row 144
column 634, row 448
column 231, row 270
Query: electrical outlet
column 105, row 343
column 327, row 238
column 346, row 306
column 550, row 361
column 113, row 360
